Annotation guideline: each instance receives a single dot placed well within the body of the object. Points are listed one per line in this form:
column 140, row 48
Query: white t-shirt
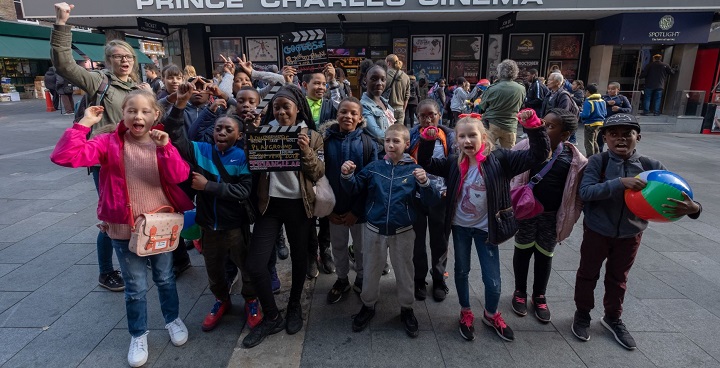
column 472, row 208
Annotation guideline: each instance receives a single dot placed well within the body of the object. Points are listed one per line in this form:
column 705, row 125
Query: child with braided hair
column 557, row 192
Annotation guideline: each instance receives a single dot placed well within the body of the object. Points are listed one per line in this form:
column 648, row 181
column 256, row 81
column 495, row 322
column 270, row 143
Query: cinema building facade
column 597, row 42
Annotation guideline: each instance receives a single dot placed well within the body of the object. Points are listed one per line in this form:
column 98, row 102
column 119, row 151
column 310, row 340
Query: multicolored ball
column 661, row 185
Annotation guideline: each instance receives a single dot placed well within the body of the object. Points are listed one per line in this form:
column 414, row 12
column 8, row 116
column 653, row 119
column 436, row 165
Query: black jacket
column 536, row 95
column 50, row 79
column 62, row 85
column 218, row 206
column 655, row 74
column 498, row 187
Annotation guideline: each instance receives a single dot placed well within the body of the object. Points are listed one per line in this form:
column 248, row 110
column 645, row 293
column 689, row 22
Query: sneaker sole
column 578, row 336
column 520, row 314
column 487, row 323
column 120, row 288
column 602, row 320
column 537, row 316
column 277, row 329
column 465, row 337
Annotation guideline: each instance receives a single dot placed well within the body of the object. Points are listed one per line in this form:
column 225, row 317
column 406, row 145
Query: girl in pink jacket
column 139, row 172
column 557, row 191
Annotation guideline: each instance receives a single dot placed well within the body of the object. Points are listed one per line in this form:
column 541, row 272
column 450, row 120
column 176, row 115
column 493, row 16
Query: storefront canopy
column 27, row 48
column 93, row 52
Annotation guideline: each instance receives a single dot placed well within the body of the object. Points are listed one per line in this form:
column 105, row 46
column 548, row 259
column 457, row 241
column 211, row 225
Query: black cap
column 621, row 120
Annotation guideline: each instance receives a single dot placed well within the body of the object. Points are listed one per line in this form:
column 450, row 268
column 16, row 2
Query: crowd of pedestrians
column 404, row 161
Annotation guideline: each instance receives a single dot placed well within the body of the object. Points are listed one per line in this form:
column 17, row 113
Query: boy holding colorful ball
column 610, row 230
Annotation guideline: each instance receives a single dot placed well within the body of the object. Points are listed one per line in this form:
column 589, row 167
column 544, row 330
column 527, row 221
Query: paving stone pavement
column 53, row 314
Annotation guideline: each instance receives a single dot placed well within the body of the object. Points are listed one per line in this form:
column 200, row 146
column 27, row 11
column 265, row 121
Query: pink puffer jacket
column 571, row 205
column 75, row 150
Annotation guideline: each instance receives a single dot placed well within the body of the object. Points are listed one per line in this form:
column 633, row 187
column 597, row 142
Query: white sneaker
column 178, row 332
column 138, row 352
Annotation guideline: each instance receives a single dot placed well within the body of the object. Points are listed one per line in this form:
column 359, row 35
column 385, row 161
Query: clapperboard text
column 274, row 148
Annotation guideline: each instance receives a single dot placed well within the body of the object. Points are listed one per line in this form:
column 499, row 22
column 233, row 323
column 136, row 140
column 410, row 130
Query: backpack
column 605, row 156
column 85, row 102
column 367, row 143
column 573, row 106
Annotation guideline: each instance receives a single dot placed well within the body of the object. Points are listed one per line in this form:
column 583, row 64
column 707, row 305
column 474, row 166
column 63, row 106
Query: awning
column 24, row 48
column 142, row 58
column 96, row 53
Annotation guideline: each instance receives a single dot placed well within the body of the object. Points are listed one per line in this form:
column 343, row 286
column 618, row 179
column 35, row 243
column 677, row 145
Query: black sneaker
column 407, row 316
column 362, row 319
column 581, row 326
column 542, row 312
column 294, row 318
column 357, row 285
column 501, row 328
column 622, row 336
column 467, row 325
column 386, row 269
column 326, row 261
column 519, row 303
column 440, row 290
column 312, row 268
column 263, row 330
column 112, row 281
column 420, row 290
column 340, row 287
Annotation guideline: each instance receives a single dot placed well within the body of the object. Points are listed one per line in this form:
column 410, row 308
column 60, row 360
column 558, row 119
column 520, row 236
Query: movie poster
column 565, row 46
column 469, row 70
column 526, row 46
column 494, row 56
column 525, row 66
column 431, row 71
column 463, row 47
column 427, row 48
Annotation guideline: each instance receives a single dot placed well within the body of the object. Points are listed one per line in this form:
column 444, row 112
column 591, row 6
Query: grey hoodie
column 605, row 210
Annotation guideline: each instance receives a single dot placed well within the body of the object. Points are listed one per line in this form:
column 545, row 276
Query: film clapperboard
column 273, row 148
column 305, row 50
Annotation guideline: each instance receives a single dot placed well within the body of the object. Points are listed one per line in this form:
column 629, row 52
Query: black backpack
column 85, row 102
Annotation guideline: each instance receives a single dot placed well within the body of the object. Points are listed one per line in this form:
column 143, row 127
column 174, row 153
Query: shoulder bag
column 524, row 204
column 156, row 232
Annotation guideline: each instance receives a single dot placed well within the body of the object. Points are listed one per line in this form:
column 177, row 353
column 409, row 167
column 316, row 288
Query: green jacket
column 88, row 81
column 501, row 103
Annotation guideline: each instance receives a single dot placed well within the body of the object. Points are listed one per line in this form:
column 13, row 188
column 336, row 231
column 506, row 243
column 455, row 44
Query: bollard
column 48, row 102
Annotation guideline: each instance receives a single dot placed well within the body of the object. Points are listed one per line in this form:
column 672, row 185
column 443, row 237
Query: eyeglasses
column 118, row 57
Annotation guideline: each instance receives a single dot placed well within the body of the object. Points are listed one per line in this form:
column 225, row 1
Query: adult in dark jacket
column 536, row 93
column 153, row 77
column 65, row 90
column 50, row 82
column 655, row 75
column 558, row 96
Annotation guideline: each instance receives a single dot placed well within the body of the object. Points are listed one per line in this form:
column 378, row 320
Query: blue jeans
column 103, row 243
column 654, row 95
column 134, row 272
column 489, row 266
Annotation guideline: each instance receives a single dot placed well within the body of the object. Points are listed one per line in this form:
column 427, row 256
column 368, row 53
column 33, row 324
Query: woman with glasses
column 106, row 88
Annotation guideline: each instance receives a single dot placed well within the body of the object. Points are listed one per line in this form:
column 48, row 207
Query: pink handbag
column 525, row 205
column 156, row 232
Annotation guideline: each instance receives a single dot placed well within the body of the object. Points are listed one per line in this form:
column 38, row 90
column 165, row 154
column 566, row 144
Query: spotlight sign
column 305, row 50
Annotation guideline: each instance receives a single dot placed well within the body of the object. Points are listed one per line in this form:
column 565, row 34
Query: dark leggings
column 521, row 264
column 291, row 213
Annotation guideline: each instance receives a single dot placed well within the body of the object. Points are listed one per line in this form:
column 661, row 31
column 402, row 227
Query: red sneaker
column 217, row 311
column 198, row 245
column 253, row 312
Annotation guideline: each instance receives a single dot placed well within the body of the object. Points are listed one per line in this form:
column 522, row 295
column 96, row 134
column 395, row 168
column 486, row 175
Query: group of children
column 386, row 194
